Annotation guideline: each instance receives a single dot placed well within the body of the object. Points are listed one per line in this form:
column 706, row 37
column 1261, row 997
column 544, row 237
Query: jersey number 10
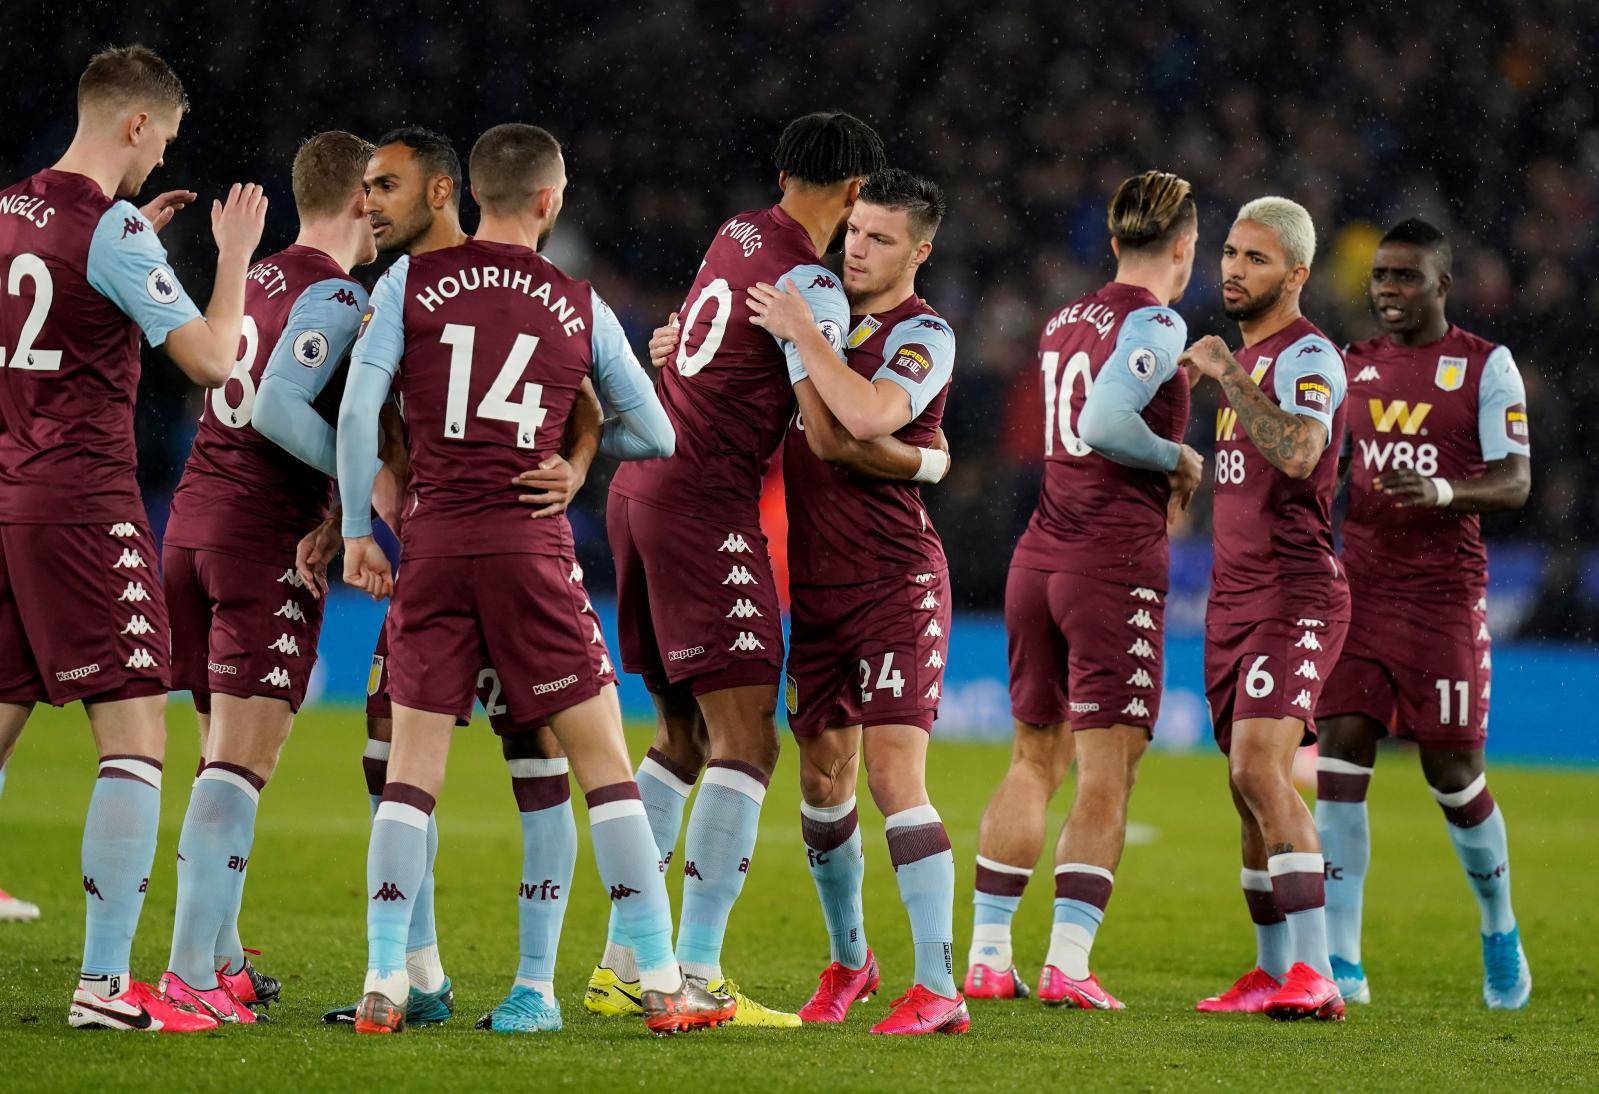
column 1058, row 400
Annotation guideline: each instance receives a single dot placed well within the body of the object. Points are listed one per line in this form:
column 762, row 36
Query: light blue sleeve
column 919, row 356
column 381, row 338
column 640, row 429
column 1309, row 379
column 1502, row 426
column 128, row 266
column 379, row 345
column 1145, row 357
column 320, row 329
column 821, row 290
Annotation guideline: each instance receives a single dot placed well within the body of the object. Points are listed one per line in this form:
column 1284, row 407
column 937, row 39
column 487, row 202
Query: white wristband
column 935, row 464
column 1446, row 493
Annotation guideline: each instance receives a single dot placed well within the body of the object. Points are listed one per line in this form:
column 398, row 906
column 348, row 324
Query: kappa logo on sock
column 744, row 865
column 90, row 887
column 388, row 891
column 690, row 870
column 622, row 892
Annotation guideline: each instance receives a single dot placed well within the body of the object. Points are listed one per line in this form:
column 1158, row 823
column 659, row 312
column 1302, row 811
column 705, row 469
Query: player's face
column 1405, row 287
column 1254, row 271
column 159, row 130
column 878, row 247
column 396, row 197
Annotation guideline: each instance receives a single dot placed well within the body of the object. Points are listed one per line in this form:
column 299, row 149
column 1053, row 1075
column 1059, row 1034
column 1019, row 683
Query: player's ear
column 782, row 181
column 440, row 190
column 1445, row 281
column 923, row 249
column 854, row 192
column 137, row 126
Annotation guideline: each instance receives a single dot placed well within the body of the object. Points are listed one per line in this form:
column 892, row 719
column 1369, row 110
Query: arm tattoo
column 1285, row 439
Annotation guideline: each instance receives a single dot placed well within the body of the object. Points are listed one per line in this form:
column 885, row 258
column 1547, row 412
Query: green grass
column 1176, row 931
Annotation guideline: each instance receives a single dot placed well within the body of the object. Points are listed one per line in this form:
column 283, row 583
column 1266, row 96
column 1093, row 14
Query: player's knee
column 379, row 729
column 1043, row 754
column 1254, row 776
column 896, row 790
column 1450, row 770
column 1349, row 738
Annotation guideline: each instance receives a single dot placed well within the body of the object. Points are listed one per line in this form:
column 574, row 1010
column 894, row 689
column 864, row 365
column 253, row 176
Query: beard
column 1254, row 307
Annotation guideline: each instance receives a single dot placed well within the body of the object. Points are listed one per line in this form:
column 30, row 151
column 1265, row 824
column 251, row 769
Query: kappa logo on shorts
column 134, row 594
column 78, row 673
column 935, row 660
column 124, row 530
column 685, row 654
column 291, row 611
column 735, row 544
column 1487, row 662
column 929, row 602
column 739, row 575
column 141, row 659
column 1309, row 623
column 1482, row 632
column 933, row 629
column 1141, row 679
column 138, row 625
column 1308, row 641
column 292, row 577
column 596, row 637
column 1307, row 669
column 1146, row 594
column 743, row 609
column 278, row 677
column 923, row 579
column 1302, row 700
column 1141, row 648
column 1482, row 604
column 1142, row 619
column 605, row 668
column 1136, row 708
column 287, row 645
column 746, row 642
column 576, row 575
column 1082, row 708
column 130, row 560
column 555, row 685
column 932, row 692
column 222, row 670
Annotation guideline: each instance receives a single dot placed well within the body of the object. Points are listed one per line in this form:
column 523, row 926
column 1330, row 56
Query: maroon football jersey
column 845, row 528
column 80, row 273
column 1097, row 517
column 241, row 494
column 1444, row 410
column 497, row 343
column 726, row 390
column 1273, row 544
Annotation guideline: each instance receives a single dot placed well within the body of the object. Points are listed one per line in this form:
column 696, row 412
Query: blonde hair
column 1290, row 220
column 1148, row 210
column 327, row 172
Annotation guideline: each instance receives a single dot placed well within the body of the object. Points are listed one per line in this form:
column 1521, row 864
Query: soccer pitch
column 1176, row 931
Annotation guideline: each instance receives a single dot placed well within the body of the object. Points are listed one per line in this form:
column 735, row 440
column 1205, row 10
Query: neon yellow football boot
column 610, row 996
column 749, row 1012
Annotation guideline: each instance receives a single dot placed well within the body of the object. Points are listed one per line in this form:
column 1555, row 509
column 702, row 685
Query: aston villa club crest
column 1451, row 373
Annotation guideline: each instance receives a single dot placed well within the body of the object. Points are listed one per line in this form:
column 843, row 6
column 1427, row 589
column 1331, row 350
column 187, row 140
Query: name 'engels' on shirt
column 472, row 278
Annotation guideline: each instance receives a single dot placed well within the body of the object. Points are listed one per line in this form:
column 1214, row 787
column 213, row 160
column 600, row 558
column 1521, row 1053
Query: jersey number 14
column 496, row 405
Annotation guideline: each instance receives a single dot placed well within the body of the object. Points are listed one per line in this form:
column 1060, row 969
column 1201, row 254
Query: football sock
column 424, row 937
column 1272, row 951
column 213, row 848
column 716, row 859
column 832, row 837
column 1299, row 885
column 629, row 867
column 998, row 895
column 664, row 787
column 1081, row 893
column 924, row 866
column 1477, row 829
column 118, row 847
column 395, row 865
column 549, row 853
column 1345, row 832
column 229, row 947
column 2, row 781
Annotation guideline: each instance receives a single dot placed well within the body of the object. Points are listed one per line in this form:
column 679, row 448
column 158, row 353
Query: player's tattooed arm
column 1292, row 443
column 1505, row 485
column 884, row 458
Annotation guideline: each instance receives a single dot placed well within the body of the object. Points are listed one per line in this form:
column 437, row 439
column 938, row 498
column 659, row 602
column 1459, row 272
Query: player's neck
column 332, row 239
column 445, row 231
column 815, row 210
column 1433, row 330
column 88, row 157
column 1264, row 326
column 886, row 300
column 515, row 231
column 1157, row 281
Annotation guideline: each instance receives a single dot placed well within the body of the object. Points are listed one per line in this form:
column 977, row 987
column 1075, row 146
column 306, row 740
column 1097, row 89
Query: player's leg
column 1459, row 782
column 924, row 867
column 13, row 716
column 1347, row 753
column 1086, row 858
column 830, row 829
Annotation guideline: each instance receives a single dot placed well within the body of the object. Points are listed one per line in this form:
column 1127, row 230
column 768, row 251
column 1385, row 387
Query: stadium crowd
column 1028, row 118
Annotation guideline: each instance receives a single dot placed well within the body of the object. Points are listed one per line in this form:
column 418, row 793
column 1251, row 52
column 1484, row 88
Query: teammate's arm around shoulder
column 204, row 348
column 1145, row 358
column 1291, row 437
column 640, row 429
column 320, row 330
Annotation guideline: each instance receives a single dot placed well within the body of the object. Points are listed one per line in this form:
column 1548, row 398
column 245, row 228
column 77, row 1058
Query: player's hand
column 554, row 484
column 165, row 206
column 388, row 496
column 366, row 568
column 941, row 442
column 663, row 343
column 1184, row 479
column 313, row 553
column 781, row 312
column 1207, row 357
column 237, row 224
column 1408, row 487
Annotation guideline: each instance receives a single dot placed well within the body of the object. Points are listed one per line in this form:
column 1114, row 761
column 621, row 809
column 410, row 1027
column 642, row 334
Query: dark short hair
column 131, row 76
column 922, row 199
column 511, row 163
column 1420, row 233
column 829, row 147
column 432, row 150
column 327, row 171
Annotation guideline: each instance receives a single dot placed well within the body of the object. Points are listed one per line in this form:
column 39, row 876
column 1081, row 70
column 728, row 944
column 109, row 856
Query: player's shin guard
column 1081, row 894
column 118, row 846
column 213, row 849
column 998, row 894
column 395, row 865
column 1298, row 883
column 626, row 855
column 664, row 788
column 924, row 866
column 1272, row 950
column 832, row 837
column 1477, row 829
column 1345, row 834
column 716, row 859
column 549, row 853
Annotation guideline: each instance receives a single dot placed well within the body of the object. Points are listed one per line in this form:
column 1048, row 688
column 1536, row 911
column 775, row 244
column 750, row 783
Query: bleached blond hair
column 1290, row 220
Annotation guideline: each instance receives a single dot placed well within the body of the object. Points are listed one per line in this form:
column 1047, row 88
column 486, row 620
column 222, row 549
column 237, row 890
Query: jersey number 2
column 527, row 414
column 31, row 267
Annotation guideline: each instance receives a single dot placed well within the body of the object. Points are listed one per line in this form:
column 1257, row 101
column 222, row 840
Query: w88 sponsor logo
column 1380, row 455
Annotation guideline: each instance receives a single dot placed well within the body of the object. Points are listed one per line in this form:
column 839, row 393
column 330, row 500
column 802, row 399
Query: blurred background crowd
column 1027, row 112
